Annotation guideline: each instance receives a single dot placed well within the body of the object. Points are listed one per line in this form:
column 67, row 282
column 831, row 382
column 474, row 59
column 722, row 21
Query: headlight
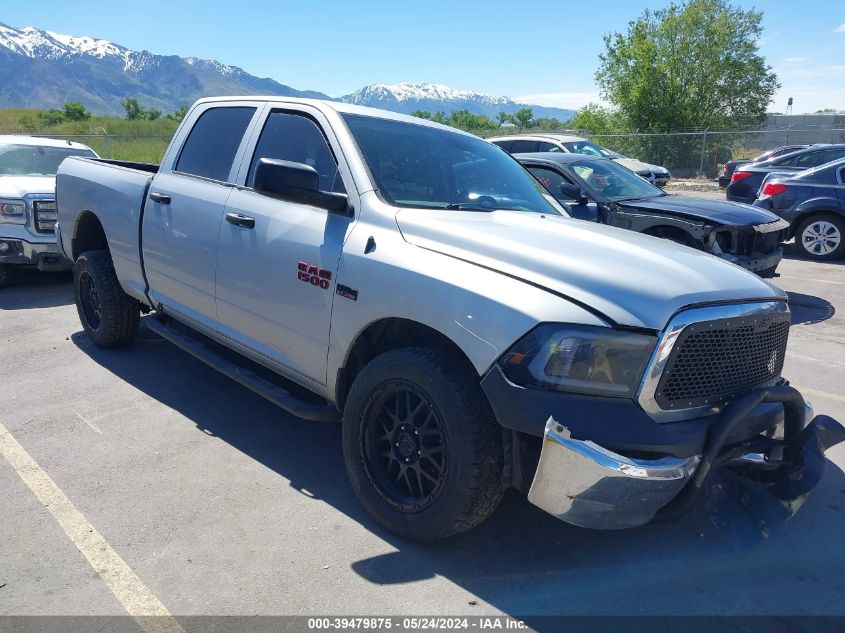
column 12, row 212
column 582, row 359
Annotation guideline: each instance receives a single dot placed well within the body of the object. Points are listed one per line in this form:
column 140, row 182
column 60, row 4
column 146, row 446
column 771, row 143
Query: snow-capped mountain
column 43, row 69
column 407, row 97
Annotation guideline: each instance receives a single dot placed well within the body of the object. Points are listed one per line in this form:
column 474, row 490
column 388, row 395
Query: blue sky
column 545, row 53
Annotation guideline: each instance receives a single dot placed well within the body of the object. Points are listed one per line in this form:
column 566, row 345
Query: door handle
column 160, row 198
column 240, row 220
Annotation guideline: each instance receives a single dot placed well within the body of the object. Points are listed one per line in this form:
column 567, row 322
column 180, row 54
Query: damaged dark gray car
column 600, row 190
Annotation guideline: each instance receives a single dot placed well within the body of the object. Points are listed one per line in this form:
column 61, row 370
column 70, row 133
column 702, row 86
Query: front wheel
column 422, row 448
column 822, row 237
column 109, row 316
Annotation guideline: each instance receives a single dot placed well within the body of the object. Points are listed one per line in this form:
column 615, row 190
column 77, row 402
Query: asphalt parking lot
column 220, row 503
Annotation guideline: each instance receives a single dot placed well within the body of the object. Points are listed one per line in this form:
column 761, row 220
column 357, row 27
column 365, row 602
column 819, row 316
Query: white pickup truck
column 27, row 201
column 416, row 284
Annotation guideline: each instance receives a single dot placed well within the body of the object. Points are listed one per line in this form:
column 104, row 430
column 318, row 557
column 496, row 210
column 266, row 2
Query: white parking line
column 124, row 583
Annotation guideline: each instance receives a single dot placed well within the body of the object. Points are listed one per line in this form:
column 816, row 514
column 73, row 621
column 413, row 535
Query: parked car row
column 729, row 167
column 805, row 188
column 421, row 287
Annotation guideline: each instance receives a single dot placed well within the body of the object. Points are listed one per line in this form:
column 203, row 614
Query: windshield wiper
column 469, row 206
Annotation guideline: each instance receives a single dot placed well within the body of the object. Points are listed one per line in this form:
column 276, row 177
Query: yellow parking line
column 124, row 583
column 820, row 394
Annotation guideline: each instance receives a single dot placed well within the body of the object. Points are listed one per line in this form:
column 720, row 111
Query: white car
column 28, row 167
column 529, row 143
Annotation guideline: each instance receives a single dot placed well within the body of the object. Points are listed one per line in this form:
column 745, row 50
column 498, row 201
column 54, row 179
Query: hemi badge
column 346, row 291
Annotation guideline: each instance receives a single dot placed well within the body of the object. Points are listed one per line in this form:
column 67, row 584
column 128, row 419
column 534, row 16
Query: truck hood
column 19, row 186
column 716, row 211
column 633, row 279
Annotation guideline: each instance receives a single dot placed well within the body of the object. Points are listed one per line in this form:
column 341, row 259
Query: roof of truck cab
column 37, row 141
column 338, row 106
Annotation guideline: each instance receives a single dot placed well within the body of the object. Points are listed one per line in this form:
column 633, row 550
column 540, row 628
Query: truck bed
column 112, row 192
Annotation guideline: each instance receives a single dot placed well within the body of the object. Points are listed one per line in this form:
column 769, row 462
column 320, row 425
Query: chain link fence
column 686, row 154
column 701, row 153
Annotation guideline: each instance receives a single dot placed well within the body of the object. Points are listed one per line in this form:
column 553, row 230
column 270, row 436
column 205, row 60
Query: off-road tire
column 472, row 483
column 118, row 316
column 831, row 218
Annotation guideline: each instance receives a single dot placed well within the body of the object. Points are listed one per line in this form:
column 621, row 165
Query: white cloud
column 570, row 100
column 840, row 28
column 794, row 60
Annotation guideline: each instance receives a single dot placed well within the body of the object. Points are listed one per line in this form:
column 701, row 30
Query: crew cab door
column 184, row 210
column 265, row 300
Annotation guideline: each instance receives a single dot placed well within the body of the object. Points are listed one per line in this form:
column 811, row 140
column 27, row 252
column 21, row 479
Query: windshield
column 584, row 147
column 609, row 153
column 613, row 181
column 35, row 160
column 421, row 166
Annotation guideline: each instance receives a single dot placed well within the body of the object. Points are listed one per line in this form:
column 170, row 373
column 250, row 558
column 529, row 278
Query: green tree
column 597, row 119
column 421, row 114
column 152, row 114
column 691, row 65
column 439, row 117
column 523, row 118
column 75, row 111
column 178, row 114
column 134, row 111
column 52, row 116
column 466, row 120
column 503, row 117
column 549, row 124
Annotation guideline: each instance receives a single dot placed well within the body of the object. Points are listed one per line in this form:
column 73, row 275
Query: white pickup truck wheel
column 109, row 316
column 422, row 448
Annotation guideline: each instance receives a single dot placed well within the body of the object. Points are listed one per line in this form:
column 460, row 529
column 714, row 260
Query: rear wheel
column 421, row 446
column 108, row 315
column 821, row 237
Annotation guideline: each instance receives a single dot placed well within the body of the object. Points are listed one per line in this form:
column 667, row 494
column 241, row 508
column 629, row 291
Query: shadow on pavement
column 809, row 309
column 26, row 289
column 732, row 554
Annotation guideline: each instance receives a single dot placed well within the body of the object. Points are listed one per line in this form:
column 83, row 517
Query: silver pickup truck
column 27, row 201
column 418, row 285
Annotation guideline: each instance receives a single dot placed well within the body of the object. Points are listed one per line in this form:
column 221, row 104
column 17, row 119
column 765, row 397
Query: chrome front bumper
column 587, row 485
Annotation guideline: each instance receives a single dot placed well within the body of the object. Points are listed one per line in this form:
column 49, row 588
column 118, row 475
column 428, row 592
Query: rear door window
column 213, row 142
column 543, row 146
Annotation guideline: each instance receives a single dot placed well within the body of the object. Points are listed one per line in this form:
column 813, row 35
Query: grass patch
column 109, row 136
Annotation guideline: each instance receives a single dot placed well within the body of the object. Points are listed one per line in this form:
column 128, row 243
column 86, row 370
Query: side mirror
column 296, row 182
column 573, row 192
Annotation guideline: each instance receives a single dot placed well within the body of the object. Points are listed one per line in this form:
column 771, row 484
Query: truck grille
column 45, row 216
column 714, row 361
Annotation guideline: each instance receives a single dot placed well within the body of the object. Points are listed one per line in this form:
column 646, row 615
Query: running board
column 249, row 379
